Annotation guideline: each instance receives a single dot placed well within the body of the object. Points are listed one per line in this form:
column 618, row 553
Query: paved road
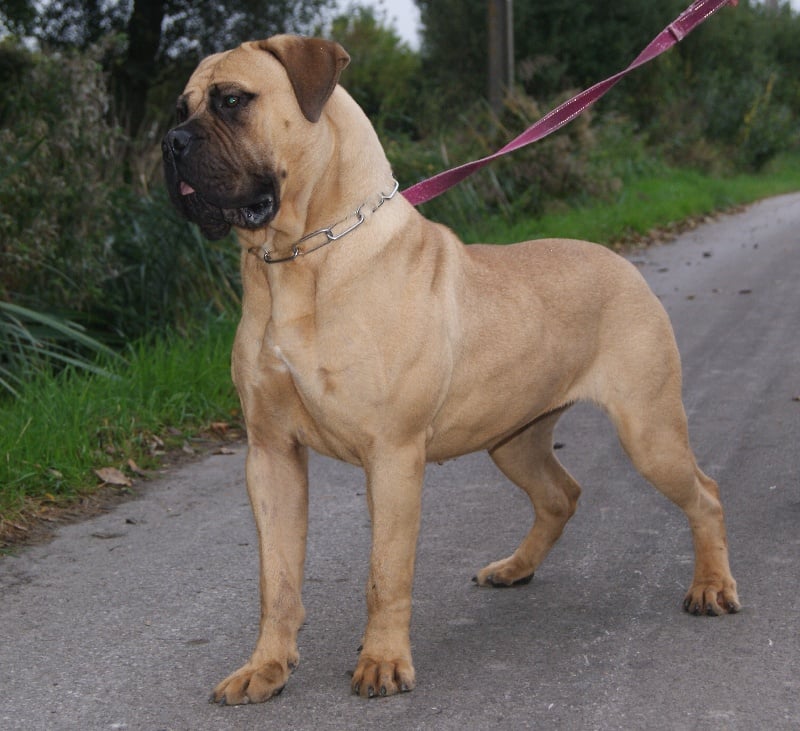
column 126, row 621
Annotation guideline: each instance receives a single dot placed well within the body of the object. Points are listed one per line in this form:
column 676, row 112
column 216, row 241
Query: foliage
column 58, row 157
column 588, row 159
column 162, row 273
column 31, row 342
column 742, row 77
column 77, row 243
column 733, row 83
column 198, row 27
column 558, row 45
column 384, row 73
column 150, row 37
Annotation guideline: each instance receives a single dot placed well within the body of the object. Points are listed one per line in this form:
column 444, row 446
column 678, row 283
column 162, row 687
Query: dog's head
column 241, row 127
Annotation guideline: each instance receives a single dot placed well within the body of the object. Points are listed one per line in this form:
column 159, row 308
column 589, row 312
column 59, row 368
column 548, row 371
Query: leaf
column 136, row 469
column 113, row 476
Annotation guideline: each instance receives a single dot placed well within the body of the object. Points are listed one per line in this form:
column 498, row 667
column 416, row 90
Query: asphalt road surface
column 128, row 620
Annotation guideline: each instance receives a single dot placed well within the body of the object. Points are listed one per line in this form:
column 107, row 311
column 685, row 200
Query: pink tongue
column 186, row 189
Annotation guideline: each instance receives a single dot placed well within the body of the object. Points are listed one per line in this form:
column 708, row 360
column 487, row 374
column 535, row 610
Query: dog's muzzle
column 194, row 190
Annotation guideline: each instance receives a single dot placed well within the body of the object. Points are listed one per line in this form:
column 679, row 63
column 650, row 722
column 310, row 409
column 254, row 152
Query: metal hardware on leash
column 330, row 236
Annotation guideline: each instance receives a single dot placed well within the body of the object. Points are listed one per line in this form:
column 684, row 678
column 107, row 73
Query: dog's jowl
column 373, row 335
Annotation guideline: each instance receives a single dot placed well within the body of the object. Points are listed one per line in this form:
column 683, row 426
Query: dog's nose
column 175, row 142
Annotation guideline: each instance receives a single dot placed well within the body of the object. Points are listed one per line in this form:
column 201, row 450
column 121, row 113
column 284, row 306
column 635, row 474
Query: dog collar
column 328, row 233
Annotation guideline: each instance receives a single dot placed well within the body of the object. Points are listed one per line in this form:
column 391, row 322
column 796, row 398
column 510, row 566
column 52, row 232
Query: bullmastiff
column 374, row 336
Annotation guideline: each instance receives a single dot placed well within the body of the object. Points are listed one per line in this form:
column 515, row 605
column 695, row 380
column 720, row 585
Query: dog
column 373, row 335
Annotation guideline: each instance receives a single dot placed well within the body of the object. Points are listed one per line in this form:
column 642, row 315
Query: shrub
column 78, row 240
column 567, row 166
column 59, row 161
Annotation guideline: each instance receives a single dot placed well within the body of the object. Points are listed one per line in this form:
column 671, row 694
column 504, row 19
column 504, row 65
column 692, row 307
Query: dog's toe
column 374, row 678
column 712, row 599
column 251, row 684
column 504, row 574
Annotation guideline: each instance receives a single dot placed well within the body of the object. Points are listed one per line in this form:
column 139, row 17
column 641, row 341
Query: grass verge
column 662, row 201
column 61, row 430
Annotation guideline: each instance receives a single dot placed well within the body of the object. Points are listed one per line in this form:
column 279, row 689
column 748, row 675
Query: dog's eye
column 231, row 101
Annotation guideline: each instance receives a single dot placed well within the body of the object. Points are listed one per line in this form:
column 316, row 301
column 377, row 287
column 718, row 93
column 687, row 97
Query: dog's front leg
column 394, row 492
column 277, row 482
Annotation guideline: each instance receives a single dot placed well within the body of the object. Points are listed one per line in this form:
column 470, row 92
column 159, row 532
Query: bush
column 78, row 240
column 572, row 165
column 59, row 158
column 162, row 274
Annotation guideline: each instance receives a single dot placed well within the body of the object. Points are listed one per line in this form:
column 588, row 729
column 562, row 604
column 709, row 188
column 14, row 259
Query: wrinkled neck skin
column 344, row 168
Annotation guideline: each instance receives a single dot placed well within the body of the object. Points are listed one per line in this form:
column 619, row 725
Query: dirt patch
column 39, row 519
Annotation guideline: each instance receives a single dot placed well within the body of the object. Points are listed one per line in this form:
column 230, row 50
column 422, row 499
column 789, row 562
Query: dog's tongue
column 186, row 189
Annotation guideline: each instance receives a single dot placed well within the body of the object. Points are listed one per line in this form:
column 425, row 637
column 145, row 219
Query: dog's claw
column 375, row 678
column 524, row 581
column 711, row 603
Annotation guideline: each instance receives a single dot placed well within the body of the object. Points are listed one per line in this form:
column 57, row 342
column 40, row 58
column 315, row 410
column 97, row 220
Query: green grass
column 648, row 203
column 60, row 429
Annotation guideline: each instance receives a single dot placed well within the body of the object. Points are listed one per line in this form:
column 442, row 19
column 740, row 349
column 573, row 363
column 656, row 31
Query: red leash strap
column 676, row 31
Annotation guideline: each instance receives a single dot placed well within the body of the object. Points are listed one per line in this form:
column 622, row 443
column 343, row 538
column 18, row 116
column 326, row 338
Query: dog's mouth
column 215, row 216
column 253, row 215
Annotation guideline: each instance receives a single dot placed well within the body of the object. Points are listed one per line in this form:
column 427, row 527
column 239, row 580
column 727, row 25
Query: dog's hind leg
column 652, row 427
column 527, row 459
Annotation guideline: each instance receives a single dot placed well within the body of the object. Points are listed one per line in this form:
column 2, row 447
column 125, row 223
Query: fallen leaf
column 225, row 450
column 136, row 469
column 113, row 476
column 220, row 427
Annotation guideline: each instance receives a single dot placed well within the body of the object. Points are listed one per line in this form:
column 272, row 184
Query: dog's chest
column 318, row 389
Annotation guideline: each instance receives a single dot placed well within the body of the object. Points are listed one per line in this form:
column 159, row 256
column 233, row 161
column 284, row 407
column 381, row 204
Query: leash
column 675, row 32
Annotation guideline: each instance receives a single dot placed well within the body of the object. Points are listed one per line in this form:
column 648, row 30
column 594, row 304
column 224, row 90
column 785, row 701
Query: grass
column 60, row 429
column 648, row 203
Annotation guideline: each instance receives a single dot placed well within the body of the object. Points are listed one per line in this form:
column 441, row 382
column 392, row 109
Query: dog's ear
column 313, row 66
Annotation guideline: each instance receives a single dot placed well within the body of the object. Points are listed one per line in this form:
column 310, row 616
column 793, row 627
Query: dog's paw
column 252, row 684
column 503, row 574
column 375, row 678
column 712, row 598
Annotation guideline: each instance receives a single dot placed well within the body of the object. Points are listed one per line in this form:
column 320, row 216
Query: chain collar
column 328, row 233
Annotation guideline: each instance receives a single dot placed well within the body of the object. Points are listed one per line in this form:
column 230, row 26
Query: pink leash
column 676, row 31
